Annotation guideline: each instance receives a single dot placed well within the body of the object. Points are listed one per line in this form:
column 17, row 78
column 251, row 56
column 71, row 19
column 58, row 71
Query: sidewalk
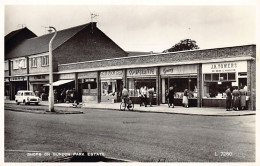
column 163, row 108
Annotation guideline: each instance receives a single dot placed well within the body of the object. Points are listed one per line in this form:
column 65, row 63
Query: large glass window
column 217, row 85
column 135, row 84
column 180, row 84
column 111, row 87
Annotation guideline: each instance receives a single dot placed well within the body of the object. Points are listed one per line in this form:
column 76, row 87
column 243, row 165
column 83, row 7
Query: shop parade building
column 88, row 61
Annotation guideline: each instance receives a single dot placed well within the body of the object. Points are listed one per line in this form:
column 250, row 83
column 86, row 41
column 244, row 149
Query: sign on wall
column 184, row 69
column 140, row 72
column 111, row 74
column 225, row 67
column 18, row 79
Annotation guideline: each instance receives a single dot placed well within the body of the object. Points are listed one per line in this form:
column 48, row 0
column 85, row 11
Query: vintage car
column 26, row 97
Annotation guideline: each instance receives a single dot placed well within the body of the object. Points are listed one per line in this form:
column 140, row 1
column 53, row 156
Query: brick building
column 27, row 64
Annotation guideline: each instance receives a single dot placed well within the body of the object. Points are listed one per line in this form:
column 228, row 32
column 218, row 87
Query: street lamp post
column 51, row 96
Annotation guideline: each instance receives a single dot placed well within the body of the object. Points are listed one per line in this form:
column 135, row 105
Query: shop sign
column 142, row 72
column 111, row 74
column 184, row 69
column 225, row 67
column 18, row 79
column 6, row 79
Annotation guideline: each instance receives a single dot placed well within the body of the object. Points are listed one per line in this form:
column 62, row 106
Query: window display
column 136, row 86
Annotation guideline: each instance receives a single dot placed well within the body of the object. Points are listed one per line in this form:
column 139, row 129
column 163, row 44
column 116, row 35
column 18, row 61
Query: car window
column 28, row 94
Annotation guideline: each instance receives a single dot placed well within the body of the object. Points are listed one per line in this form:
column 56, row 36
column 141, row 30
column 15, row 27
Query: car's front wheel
column 17, row 102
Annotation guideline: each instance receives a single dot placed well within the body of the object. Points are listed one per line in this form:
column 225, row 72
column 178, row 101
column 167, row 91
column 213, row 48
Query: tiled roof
column 12, row 34
column 40, row 44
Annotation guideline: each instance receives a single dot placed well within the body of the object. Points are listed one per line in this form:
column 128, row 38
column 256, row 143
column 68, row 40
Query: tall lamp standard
column 51, row 96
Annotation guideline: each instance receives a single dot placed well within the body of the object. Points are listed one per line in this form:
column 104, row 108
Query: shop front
column 181, row 78
column 111, row 85
column 17, row 83
column 142, row 78
column 217, row 77
column 87, row 87
column 37, row 83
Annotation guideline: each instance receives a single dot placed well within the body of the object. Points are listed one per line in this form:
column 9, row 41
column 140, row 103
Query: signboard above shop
column 176, row 70
column 18, row 78
column 225, row 67
column 141, row 72
column 112, row 74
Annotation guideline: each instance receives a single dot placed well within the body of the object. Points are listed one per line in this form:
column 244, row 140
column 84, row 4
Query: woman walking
column 185, row 100
column 171, row 97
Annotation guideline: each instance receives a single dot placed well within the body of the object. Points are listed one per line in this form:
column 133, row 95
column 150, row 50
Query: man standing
column 228, row 99
column 125, row 95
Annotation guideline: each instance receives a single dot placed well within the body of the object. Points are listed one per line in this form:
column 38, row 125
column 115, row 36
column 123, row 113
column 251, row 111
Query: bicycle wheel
column 122, row 106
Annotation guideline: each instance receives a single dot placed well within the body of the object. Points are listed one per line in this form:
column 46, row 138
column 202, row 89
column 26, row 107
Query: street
column 136, row 136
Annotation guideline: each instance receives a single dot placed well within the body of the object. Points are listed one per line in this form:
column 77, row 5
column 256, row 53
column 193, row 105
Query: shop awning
column 60, row 82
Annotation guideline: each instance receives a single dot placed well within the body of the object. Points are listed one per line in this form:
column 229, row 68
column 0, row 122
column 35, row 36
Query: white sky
column 145, row 28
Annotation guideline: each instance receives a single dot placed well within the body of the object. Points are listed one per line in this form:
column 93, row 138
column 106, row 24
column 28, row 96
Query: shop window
column 215, row 77
column 223, row 77
column 231, row 76
column 34, row 62
column 207, row 77
column 45, row 60
column 89, row 84
column 135, row 86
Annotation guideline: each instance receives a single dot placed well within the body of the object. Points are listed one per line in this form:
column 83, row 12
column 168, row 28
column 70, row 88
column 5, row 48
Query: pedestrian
column 171, row 97
column 151, row 92
column 63, row 95
column 55, row 96
column 125, row 95
column 67, row 96
column 228, row 99
column 141, row 96
column 75, row 96
column 144, row 94
column 185, row 100
column 242, row 93
column 236, row 99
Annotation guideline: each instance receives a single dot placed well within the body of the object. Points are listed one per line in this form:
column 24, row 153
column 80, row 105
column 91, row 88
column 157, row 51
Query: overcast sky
column 145, row 28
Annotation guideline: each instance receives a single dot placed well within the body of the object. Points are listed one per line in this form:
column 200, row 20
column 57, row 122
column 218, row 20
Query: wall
column 188, row 56
column 86, row 46
column 39, row 68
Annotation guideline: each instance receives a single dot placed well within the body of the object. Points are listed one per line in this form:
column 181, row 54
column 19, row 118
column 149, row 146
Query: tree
column 186, row 44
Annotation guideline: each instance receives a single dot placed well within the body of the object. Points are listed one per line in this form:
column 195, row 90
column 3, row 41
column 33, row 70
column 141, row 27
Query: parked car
column 26, row 97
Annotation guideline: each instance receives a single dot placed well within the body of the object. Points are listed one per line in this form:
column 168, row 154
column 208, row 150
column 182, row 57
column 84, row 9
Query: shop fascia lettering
column 141, row 72
column 224, row 67
column 111, row 73
column 18, row 79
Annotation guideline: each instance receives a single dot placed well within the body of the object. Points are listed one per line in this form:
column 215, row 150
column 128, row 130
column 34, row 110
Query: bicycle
column 129, row 105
